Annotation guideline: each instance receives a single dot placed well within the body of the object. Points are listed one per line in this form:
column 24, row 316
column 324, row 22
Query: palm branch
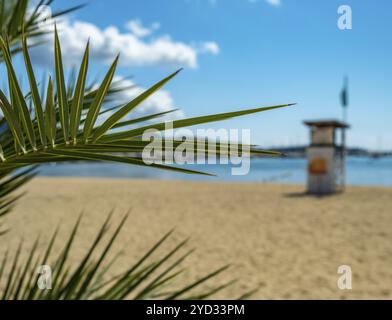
column 16, row 17
column 8, row 184
column 19, row 15
column 37, row 138
column 151, row 276
column 64, row 125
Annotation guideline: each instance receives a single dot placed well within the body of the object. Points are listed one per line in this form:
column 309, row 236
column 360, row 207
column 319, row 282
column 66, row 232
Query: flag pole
column 344, row 103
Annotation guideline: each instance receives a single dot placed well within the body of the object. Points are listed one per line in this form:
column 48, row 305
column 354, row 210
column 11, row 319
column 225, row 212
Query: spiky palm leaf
column 37, row 139
column 16, row 15
column 65, row 124
column 8, row 184
column 147, row 278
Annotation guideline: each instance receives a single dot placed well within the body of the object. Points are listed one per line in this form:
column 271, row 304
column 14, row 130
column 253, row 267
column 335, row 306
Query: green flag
column 344, row 94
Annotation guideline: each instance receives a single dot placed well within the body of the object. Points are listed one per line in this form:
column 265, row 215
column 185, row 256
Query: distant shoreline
column 363, row 171
column 300, row 152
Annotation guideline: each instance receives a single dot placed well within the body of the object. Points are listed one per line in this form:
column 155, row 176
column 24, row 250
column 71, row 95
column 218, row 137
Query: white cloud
column 160, row 101
column 134, row 48
column 137, row 28
column 274, row 2
column 209, row 47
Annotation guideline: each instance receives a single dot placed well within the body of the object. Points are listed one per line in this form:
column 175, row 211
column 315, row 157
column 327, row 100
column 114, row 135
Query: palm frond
column 66, row 123
column 18, row 17
column 8, row 185
column 92, row 138
column 147, row 278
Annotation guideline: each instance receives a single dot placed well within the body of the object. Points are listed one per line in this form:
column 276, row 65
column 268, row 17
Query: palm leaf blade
column 117, row 116
column 12, row 121
column 185, row 123
column 97, row 102
column 34, row 93
column 61, row 91
column 77, row 101
column 16, row 90
column 50, row 114
column 118, row 159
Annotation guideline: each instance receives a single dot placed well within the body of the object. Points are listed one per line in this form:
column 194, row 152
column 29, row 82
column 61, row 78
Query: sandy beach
column 288, row 244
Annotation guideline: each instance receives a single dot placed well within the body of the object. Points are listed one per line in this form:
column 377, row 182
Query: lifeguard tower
column 326, row 156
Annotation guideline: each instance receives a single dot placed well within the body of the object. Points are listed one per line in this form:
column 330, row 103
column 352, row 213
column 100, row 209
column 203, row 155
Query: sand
column 287, row 244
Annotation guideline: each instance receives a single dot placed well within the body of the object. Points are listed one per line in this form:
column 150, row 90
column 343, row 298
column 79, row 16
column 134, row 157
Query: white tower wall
column 321, row 169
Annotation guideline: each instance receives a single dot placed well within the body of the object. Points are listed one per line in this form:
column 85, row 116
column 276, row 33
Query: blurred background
column 242, row 54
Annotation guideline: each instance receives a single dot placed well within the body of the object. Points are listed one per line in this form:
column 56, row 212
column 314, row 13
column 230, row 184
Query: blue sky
column 262, row 54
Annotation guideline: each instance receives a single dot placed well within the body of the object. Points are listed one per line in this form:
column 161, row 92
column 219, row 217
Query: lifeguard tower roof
column 327, row 123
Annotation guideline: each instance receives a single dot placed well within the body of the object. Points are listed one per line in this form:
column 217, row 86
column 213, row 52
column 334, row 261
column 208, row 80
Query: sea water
column 359, row 171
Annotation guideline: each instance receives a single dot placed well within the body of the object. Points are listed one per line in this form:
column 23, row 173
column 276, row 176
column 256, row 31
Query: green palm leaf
column 77, row 102
column 185, row 123
column 20, row 102
column 146, row 279
column 50, row 114
column 109, row 141
column 91, row 156
column 97, row 102
column 61, row 91
column 23, row 16
column 12, row 121
column 116, row 117
column 34, row 92
column 94, row 141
